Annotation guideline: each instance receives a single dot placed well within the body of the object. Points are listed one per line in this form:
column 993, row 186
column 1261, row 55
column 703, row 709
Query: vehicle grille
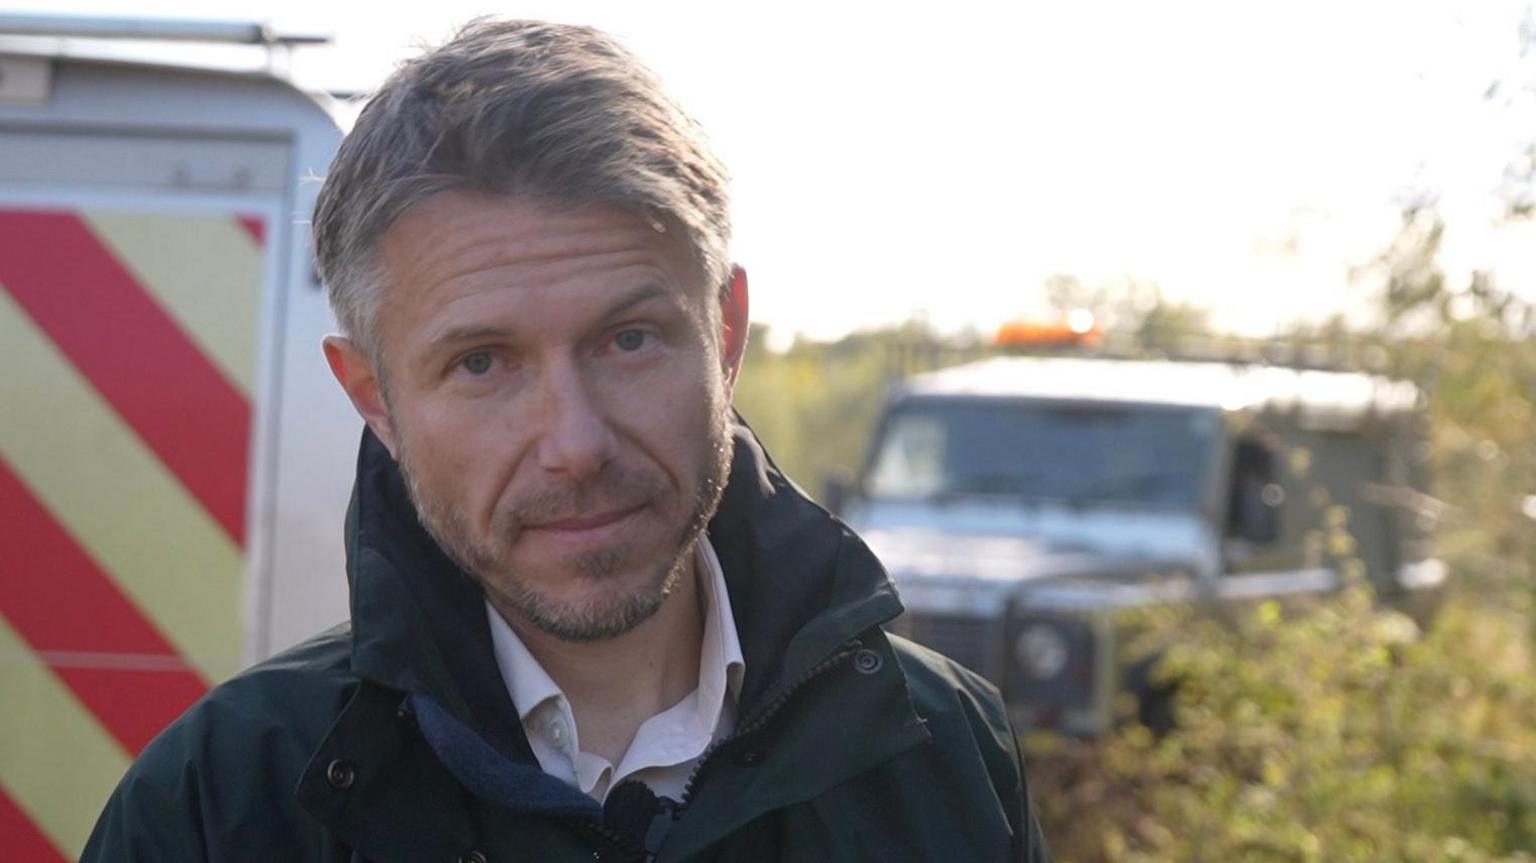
column 970, row 641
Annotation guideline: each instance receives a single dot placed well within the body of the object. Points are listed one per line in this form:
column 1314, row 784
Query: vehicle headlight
column 1041, row 651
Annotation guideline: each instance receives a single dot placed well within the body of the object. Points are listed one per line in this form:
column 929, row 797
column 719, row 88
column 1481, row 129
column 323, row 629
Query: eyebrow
column 642, row 293
column 472, row 333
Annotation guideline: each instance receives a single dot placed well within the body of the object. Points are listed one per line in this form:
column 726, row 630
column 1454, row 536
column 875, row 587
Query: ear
column 733, row 325
column 355, row 372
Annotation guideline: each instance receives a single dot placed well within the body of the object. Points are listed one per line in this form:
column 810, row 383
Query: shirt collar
column 721, row 664
column 526, row 680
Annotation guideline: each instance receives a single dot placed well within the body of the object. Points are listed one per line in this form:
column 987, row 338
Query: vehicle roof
column 268, row 60
column 231, row 67
column 1228, row 387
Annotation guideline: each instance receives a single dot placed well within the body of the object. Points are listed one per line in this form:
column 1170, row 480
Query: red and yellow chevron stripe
column 128, row 350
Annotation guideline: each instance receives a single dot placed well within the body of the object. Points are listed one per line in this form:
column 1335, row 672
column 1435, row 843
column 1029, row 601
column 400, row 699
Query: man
column 590, row 619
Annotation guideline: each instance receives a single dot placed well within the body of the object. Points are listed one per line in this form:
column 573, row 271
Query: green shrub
column 1331, row 732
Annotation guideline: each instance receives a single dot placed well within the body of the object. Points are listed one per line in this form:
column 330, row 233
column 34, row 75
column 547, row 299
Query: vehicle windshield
column 1079, row 453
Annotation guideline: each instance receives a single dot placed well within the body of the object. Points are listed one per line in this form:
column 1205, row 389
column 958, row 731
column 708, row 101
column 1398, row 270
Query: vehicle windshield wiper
column 1121, row 488
column 991, row 483
column 1016, row 486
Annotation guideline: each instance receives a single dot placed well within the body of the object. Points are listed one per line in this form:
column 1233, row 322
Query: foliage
column 815, row 404
column 1329, row 731
column 1477, row 363
column 1150, row 321
column 1338, row 731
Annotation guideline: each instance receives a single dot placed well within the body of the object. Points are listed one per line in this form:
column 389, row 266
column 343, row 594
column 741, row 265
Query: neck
column 616, row 684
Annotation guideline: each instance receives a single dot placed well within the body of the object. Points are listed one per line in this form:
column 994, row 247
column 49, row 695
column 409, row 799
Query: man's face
column 558, row 392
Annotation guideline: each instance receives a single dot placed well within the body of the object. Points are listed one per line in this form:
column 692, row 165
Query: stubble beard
column 488, row 561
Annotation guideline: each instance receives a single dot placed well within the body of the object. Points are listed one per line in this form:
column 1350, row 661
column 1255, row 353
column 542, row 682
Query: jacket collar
column 801, row 585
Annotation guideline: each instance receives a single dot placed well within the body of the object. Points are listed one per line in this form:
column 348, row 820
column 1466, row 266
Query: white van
column 174, row 456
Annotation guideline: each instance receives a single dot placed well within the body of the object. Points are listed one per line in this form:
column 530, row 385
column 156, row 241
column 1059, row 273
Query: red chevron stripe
column 256, row 227
column 20, row 839
column 135, row 354
column 61, row 602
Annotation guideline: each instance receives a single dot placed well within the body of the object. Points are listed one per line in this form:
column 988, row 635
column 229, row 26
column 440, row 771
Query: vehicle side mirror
column 1260, row 522
column 835, row 485
column 1253, row 510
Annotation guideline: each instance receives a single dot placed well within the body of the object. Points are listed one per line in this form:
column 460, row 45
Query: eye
column 631, row 340
column 477, row 363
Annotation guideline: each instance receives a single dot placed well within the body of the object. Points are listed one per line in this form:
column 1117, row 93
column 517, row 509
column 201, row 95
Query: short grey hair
column 558, row 112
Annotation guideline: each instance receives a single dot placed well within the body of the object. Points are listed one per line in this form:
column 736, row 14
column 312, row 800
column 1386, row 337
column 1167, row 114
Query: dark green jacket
column 394, row 739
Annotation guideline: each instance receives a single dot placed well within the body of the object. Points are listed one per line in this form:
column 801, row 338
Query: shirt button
column 557, row 732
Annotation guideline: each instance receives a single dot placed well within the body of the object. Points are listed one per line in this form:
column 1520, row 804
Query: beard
column 489, row 559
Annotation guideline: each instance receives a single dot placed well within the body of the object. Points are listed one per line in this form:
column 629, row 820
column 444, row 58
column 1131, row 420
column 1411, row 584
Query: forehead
column 461, row 229
column 458, row 244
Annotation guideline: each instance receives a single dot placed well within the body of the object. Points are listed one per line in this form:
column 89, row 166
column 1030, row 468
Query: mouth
column 593, row 525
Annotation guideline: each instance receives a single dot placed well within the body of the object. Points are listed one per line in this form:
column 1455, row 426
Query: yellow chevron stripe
column 56, row 761
column 206, row 272
column 117, row 499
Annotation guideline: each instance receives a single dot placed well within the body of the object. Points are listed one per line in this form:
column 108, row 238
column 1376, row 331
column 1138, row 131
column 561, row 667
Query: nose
column 577, row 439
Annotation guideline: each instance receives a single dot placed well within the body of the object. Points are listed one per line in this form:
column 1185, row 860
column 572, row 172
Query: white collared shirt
column 667, row 745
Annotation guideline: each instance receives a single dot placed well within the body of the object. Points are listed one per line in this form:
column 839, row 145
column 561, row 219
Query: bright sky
column 943, row 161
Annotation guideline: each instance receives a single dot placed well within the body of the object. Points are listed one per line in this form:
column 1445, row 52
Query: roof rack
column 1318, row 354
column 155, row 29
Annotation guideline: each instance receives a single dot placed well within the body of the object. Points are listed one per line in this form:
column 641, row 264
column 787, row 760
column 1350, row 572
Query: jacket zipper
column 759, row 720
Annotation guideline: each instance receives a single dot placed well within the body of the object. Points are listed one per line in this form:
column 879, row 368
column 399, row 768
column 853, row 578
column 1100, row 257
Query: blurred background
column 939, row 163
column 1345, row 188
